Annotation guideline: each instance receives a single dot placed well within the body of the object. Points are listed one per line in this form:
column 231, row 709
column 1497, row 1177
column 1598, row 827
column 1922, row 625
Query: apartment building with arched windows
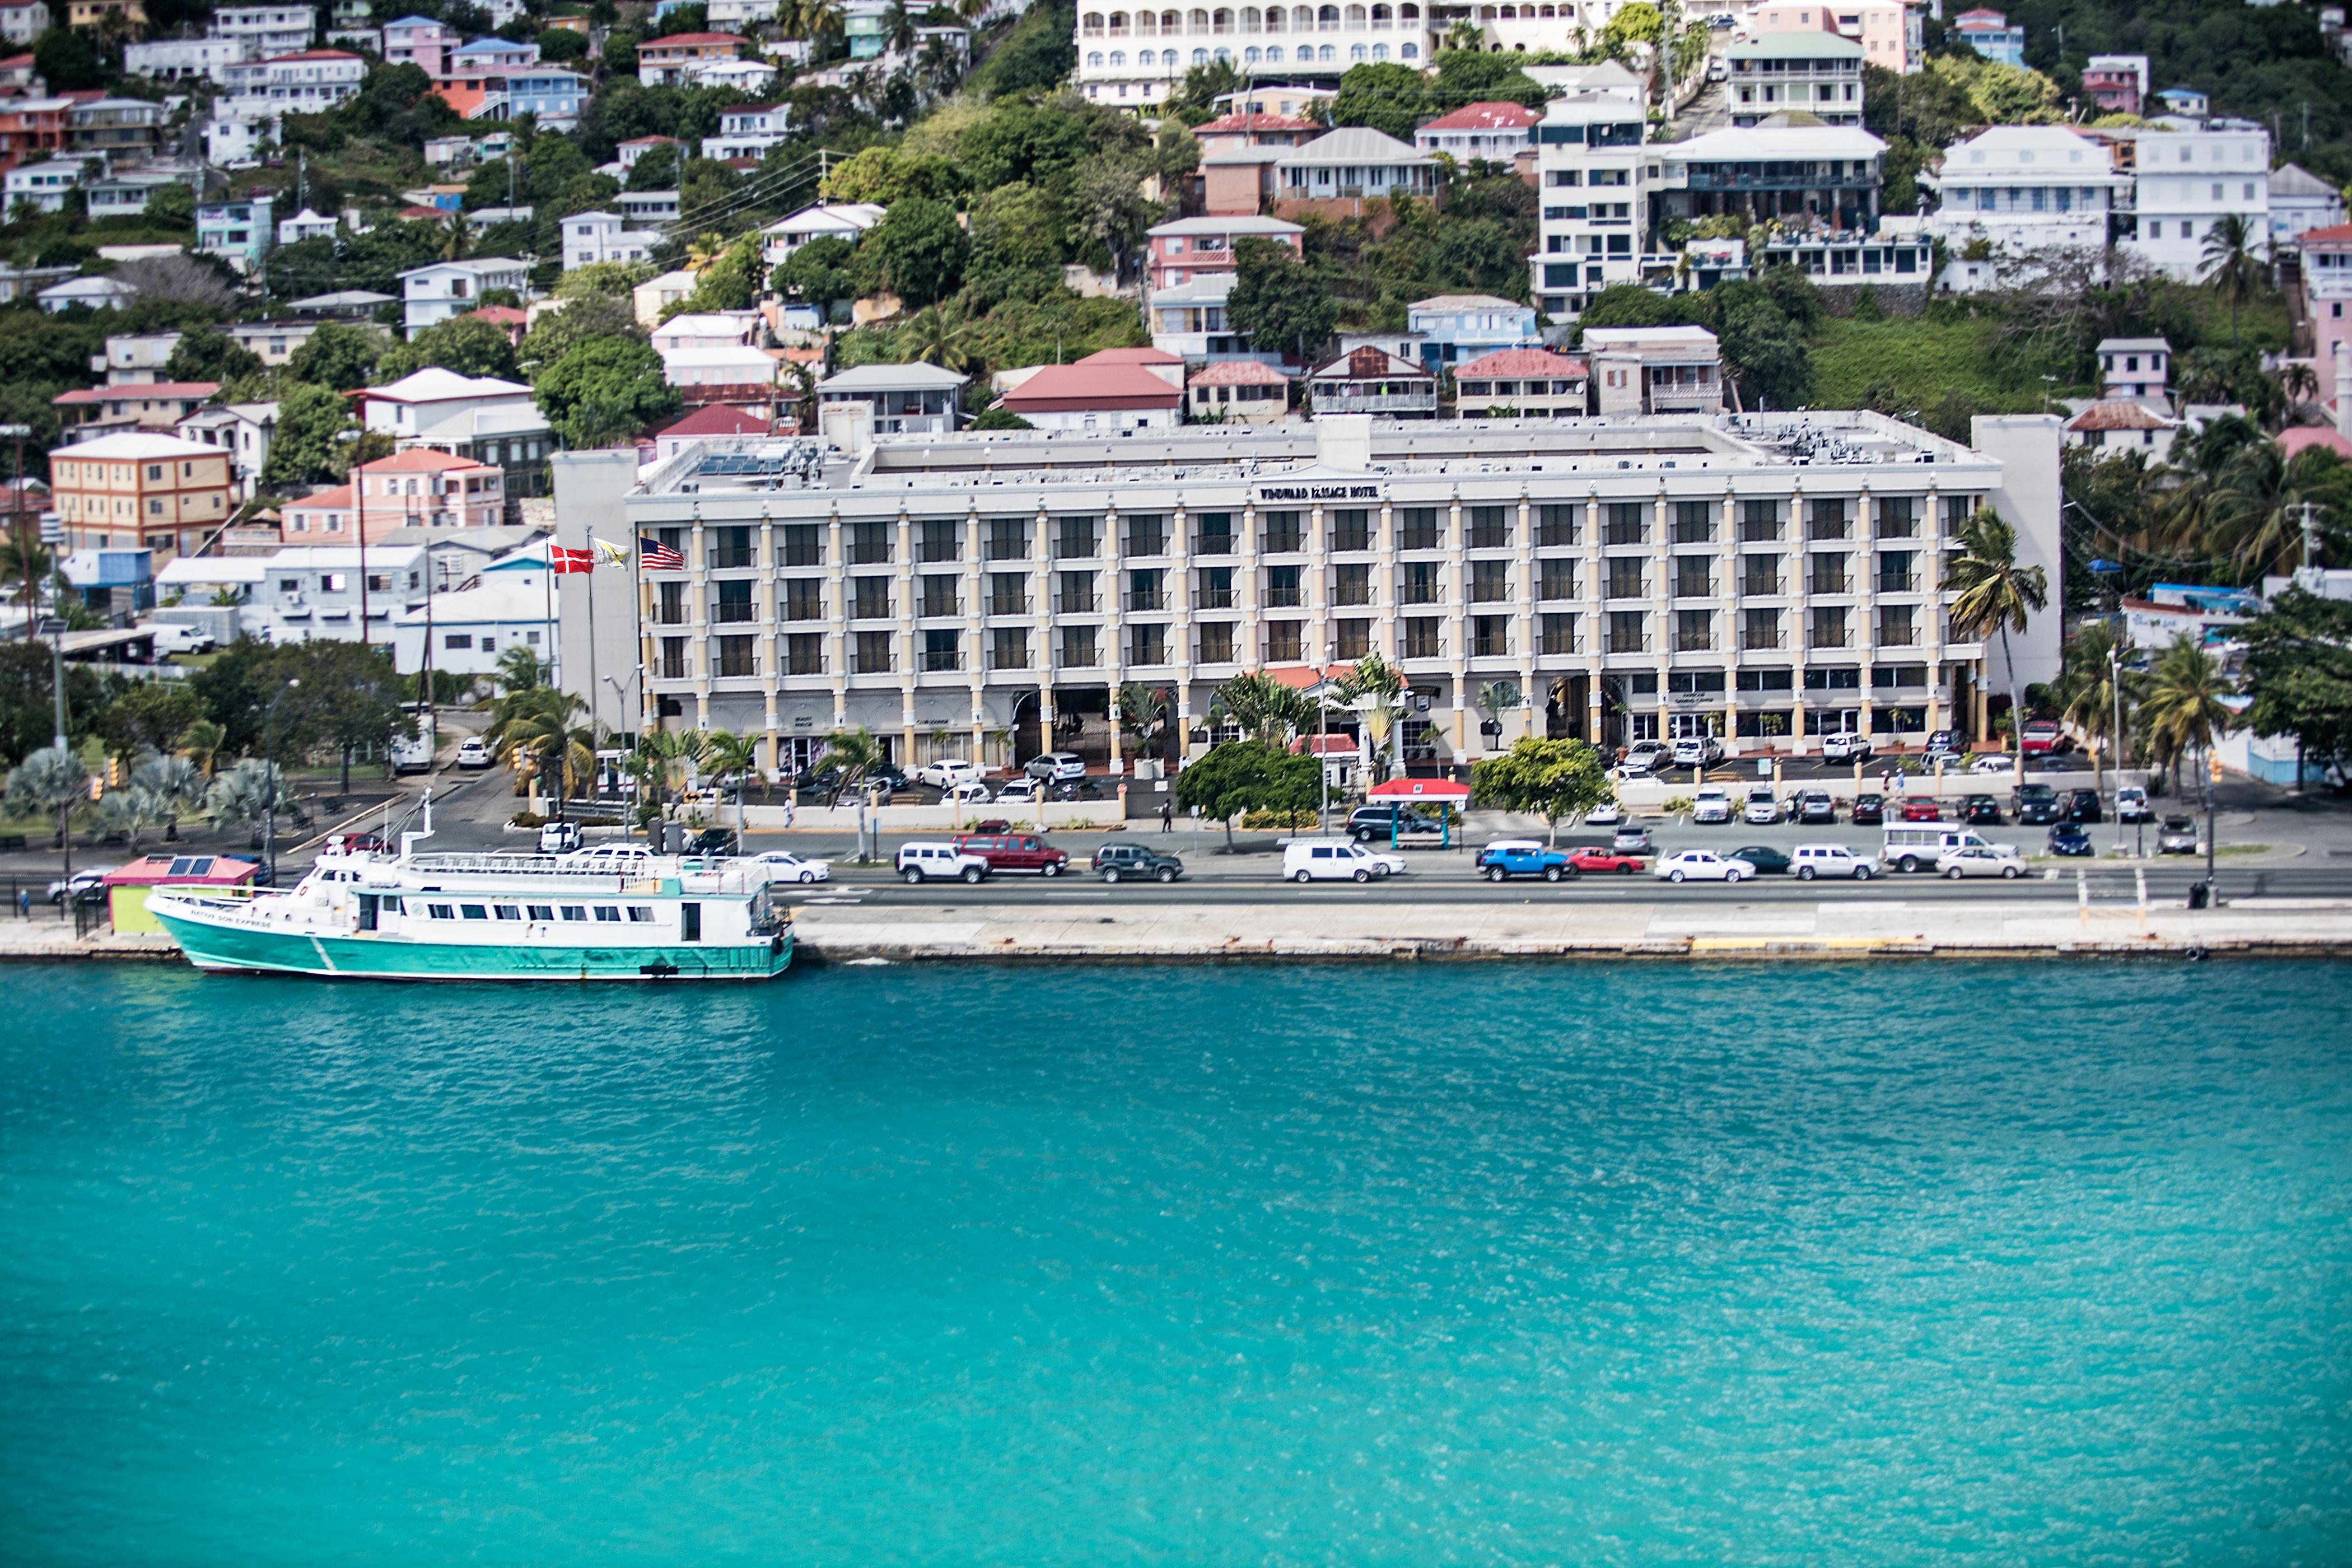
column 1134, row 55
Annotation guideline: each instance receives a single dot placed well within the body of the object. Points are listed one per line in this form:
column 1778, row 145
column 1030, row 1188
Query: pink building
column 2117, row 83
column 1891, row 35
column 1190, row 248
column 2327, row 297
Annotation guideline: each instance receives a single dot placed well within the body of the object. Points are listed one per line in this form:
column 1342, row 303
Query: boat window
column 509, row 911
column 575, row 911
column 442, row 912
column 640, row 914
column 607, row 912
column 476, row 912
column 542, row 912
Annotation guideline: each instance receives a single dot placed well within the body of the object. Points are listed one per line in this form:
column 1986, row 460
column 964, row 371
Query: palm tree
column 1499, row 697
column 27, row 564
column 51, row 779
column 1996, row 594
column 932, row 337
column 536, row 736
column 676, row 751
column 1141, row 713
column 897, row 28
column 174, row 785
column 2232, row 271
column 853, row 753
column 1374, row 689
column 249, row 792
column 455, row 239
column 733, row 756
column 2183, row 709
column 2298, row 381
column 1261, row 707
column 520, row 669
column 2088, row 690
column 201, row 743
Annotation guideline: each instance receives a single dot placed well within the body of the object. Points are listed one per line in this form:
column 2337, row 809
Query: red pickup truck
column 1014, row 852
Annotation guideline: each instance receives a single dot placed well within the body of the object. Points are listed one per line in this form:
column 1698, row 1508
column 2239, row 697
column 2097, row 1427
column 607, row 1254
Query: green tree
column 819, row 273
column 67, row 62
column 657, row 168
column 1552, row 779
column 1260, row 707
column 2092, row 688
column 592, row 316
column 917, row 252
column 998, row 418
column 1390, row 98
column 1997, row 594
column 538, row 736
column 1629, row 305
column 465, row 345
column 2232, row 270
column 604, row 390
column 1277, row 302
column 52, row 780
column 2299, row 669
column 348, row 698
column 1248, row 775
column 337, row 356
column 561, row 45
column 2183, row 710
column 304, row 449
column 151, row 717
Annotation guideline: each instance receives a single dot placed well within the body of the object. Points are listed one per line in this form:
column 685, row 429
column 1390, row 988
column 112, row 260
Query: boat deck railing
column 695, row 874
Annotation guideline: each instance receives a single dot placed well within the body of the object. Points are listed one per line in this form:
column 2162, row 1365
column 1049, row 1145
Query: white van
column 1336, row 860
column 1917, row 845
column 413, row 753
column 1809, row 861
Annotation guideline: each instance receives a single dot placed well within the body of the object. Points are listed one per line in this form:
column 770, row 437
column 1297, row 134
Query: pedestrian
column 1167, row 816
column 24, row 903
column 1901, row 778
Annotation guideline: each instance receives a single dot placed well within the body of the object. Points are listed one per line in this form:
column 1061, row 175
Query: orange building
column 135, row 490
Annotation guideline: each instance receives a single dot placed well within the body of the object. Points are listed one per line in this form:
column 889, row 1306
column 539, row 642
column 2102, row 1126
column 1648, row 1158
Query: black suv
column 1367, row 823
column 1114, row 861
column 712, row 843
column 1981, row 811
column 2036, row 805
column 2083, row 806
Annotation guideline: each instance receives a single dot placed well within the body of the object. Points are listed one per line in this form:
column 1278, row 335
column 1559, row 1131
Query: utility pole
column 2116, row 690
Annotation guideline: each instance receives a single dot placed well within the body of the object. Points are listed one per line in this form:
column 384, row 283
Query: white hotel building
column 2026, row 191
column 2189, row 175
column 1132, row 56
column 1767, row 577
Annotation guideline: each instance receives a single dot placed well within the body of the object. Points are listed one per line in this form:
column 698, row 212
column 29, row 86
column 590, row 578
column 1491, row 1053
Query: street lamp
column 2116, row 690
column 359, row 498
column 269, row 783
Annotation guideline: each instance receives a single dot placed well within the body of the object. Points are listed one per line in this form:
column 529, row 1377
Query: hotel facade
column 1766, row 578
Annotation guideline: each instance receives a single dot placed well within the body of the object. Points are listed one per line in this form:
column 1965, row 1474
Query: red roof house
column 1096, row 397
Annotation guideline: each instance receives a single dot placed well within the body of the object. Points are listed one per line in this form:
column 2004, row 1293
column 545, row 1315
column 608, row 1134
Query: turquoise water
column 1424, row 1264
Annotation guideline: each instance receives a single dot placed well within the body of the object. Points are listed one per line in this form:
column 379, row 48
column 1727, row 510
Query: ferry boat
column 491, row 917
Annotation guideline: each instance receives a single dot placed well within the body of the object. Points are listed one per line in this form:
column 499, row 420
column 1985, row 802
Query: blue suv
column 1509, row 858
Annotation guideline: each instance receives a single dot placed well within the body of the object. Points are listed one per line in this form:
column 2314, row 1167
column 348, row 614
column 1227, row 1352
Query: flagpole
column 638, row 622
column 594, row 689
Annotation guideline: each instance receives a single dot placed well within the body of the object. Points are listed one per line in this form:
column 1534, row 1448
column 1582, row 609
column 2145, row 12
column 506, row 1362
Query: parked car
column 473, row 754
column 2044, row 737
column 561, row 836
column 617, row 856
column 2083, row 806
column 713, row 843
column 946, row 772
column 1509, row 858
column 1367, row 823
column 1647, row 757
column 924, row 860
column 1922, row 808
column 1702, row 865
column 966, row 791
column 1589, row 858
column 1813, row 860
column 1815, row 807
column 2131, row 805
column 824, row 787
column 1024, row 852
column 2071, row 838
column 1767, row 861
column 2035, row 805
column 1980, row 811
column 2177, row 836
column 1845, row 746
column 1869, row 809
column 1113, row 862
column 1631, row 839
column 1021, row 791
column 784, row 865
column 1336, row 860
column 1605, row 814
column 1697, row 752
column 1993, row 763
column 1712, row 804
column 352, row 844
column 90, row 882
column 1981, row 861
column 1943, row 746
column 1761, row 810
column 1055, row 766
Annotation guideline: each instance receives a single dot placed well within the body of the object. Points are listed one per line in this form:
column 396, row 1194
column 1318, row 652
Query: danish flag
column 561, row 560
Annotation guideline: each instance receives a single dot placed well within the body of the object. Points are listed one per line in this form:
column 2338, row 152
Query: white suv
column 1811, row 860
column 928, row 860
column 1055, row 767
column 947, row 773
column 1697, row 751
column 1845, row 746
column 1712, row 804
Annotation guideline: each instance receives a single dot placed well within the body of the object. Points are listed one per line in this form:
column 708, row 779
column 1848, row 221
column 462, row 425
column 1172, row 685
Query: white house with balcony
column 1654, row 370
column 594, row 237
column 748, row 131
column 187, row 60
column 244, row 120
column 267, row 29
column 2015, row 192
column 43, row 184
column 1814, row 72
column 900, row 399
column 1132, row 56
column 830, row 220
column 1594, row 178
column 2189, row 175
column 433, row 294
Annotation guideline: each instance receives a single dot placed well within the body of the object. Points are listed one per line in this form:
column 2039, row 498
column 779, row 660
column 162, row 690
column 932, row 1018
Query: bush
column 1291, row 821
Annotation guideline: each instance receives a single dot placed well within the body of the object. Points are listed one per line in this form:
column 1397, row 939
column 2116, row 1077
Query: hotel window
column 1282, row 591
column 730, row 548
column 1417, row 527
column 1217, row 643
column 870, row 597
column 1557, row 580
column 673, row 658
column 1147, row 534
column 1759, row 575
column 1143, row 589
column 1008, row 539
column 1351, row 529
column 938, row 594
column 1694, row 630
column 803, row 545
column 943, row 649
column 873, row 655
column 735, row 601
column 1897, row 626
column 735, row 657
column 1007, row 593
column 1352, row 584
column 1077, row 592
column 1284, row 641
column 1693, row 523
column 1896, row 571
column 1628, row 632
column 1626, row 522
column 1490, row 581
column 869, row 543
column 1760, row 629
column 1351, row 640
column 1828, row 576
column 1077, row 648
column 805, row 653
column 1898, row 518
column 1558, row 635
column 1626, row 577
column 1826, row 520
column 1078, row 538
column 1555, row 527
column 1282, row 532
column 1758, row 521
column 1147, row 645
column 1490, row 637
column 1490, row 528
column 941, row 539
column 1694, row 576
column 803, row 598
column 1420, row 637
column 1418, row 582
column 1829, row 625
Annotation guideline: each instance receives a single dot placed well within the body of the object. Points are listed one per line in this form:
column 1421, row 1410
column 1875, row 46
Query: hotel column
column 1179, row 632
column 1318, row 593
column 1523, row 620
column 1930, row 557
column 1388, row 629
column 768, row 642
column 1801, row 604
column 1111, row 656
column 902, row 610
column 1734, row 655
column 836, row 584
column 1662, row 616
column 976, row 547
column 1865, row 587
column 1250, row 652
column 1457, row 572
column 1596, row 617
column 1041, row 622
column 699, row 560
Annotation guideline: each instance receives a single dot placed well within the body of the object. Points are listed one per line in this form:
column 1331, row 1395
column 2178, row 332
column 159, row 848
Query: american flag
column 661, row 557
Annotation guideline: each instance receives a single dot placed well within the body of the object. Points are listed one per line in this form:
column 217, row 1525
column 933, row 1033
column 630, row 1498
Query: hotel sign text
column 1270, row 495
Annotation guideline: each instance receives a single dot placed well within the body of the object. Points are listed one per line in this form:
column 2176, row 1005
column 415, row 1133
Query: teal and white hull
column 491, row 917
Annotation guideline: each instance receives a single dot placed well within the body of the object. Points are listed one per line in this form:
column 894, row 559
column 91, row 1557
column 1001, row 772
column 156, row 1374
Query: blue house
column 2186, row 100
column 555, row 96
column 1457, row 327
column 492, row 57
column 239, row 232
